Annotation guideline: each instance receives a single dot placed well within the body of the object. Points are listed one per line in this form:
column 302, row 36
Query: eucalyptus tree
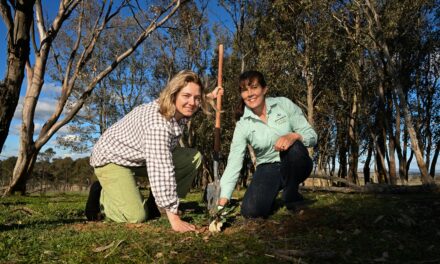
column 72, row 67
column 304, row 61
column 349, row 61
column 244, row 15
column 391, row 39
column 394, row 66
column 18, row 18
column 184, row 43
column 427, row 90
column 188, row 44
column 115, row 95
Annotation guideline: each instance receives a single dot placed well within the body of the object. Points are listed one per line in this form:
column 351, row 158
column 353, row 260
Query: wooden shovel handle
column 219, row 100
column 219, row 83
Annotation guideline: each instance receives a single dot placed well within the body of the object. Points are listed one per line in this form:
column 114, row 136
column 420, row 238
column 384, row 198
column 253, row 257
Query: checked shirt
column 144, row 138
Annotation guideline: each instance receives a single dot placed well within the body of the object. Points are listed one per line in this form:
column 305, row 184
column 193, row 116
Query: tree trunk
column 333, row 164
column 353, row 140
column 28, row 148
column 323, row 157
column 309, row 82
column 22, row 171
column 405, row 162
column 391, row 141
column 434, row 160
column 380, row 146
column 342, row 153
column 428, row 133
column 392, row 165
column 18, row 54
column 28, row 151
column 413, row 136
column 353, row 130
column 400, row 153
column 367, row 163
column 408, row 164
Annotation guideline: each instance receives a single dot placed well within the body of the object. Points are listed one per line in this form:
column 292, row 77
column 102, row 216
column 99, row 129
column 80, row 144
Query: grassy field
column 337, row 228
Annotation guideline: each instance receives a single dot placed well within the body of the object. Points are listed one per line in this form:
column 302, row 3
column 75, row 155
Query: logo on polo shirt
column 280, row 119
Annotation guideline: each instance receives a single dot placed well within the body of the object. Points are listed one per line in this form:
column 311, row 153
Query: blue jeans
column 270, row 178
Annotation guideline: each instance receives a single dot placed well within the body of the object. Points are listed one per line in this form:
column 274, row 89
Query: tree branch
column 51, row 128
column 40, row 19
column 6, row 14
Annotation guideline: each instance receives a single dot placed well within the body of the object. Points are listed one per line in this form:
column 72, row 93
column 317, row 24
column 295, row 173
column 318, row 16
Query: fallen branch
column 336, row 179
column 331, row 189
column 25, row 209
column 376, row 188
column 292, row 254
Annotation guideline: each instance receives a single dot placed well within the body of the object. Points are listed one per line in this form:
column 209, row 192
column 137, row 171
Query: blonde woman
column 143, row 143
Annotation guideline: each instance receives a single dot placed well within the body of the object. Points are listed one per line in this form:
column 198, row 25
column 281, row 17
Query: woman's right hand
column 216, row 92
column 222, row 201
column 178, row 224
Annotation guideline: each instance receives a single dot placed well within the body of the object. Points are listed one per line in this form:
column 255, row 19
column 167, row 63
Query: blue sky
column 47, row 100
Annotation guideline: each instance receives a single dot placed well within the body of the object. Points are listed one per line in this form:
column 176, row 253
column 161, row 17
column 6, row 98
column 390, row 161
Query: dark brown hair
column 246, row 79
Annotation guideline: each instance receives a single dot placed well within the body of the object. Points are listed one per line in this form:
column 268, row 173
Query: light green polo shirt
column 283, row 117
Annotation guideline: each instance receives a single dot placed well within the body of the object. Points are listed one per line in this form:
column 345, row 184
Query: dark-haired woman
column 279, row 133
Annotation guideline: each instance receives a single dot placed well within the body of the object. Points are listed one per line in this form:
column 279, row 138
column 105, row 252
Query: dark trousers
column 270, row 178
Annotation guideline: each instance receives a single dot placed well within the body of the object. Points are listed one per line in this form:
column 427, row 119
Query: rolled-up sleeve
column 160, row 168
column 235, row 162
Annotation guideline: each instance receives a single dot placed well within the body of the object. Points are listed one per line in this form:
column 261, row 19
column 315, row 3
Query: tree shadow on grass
column 8, row 203
column 192, row 207
column 39, row 224
column 350, row 229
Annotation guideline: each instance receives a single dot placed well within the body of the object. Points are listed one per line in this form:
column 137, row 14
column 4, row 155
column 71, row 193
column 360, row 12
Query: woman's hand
column 222, row 201
column 178, row 224
column 216, row 92
column 284, row 142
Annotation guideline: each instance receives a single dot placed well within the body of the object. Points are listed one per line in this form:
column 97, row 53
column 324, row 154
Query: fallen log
column 370, row 187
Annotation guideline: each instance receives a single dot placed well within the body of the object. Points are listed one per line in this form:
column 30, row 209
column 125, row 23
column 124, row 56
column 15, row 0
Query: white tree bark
column 28, row 148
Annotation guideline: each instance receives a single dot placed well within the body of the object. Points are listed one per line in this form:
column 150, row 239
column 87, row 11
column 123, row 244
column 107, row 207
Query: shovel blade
column 212, row 196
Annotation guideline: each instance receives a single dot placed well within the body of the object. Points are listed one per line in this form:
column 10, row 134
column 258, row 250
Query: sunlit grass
column 337, row 228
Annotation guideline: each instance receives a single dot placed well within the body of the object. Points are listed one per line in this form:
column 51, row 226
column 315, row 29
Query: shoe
column 93, row 210
column 299, row 204
column 153, row 210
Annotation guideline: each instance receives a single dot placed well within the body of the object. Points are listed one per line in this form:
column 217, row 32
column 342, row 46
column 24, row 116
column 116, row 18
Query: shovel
column 213, row 188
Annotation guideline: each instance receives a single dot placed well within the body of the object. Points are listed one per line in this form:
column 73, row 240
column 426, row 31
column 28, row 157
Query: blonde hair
column 167, row 97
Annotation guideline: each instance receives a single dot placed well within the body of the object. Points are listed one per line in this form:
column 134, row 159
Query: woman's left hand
column 284, row 142
column 216, row 92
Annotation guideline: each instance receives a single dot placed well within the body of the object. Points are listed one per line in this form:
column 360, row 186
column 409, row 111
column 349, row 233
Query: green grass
column 337, row 228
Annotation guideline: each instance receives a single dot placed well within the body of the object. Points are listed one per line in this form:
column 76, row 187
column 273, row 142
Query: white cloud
column 74, row 156
column 14, row 129
column 51, row 89
column 46, row 102
column 19, row 109
column 72, row 138
column 45, row 108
